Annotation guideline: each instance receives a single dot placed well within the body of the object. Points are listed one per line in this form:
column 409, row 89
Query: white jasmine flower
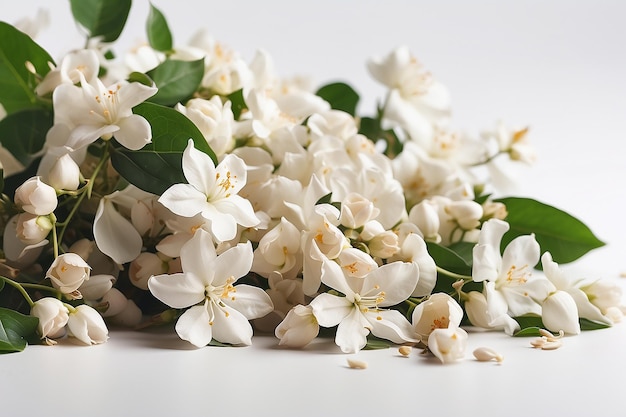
column 64, row 174
column 359, row 312
column 511, row 272
column 33, row 229
column 357, row 210
column 413, row 249
column 559, row 312
column 75, row 63
column 279, row 250
column 298, row 328
column 87, row 325
column 68, row 272
column 219, row 309
column 95, row 111
column 52, row 315
column 212, row 192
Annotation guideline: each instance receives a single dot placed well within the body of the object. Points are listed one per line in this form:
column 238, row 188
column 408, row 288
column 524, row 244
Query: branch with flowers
column 180, row 185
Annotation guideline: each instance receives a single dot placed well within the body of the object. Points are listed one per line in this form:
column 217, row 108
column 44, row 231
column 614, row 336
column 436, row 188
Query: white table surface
column 557, row 67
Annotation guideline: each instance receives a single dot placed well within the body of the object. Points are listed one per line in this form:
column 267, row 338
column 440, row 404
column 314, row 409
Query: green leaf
column 374, row 343
column 528, row 332
column 24, row 133
column 238, row 103
column 159, row 35
column 15, row 329
column 176, row 80
column 529, row 321
column 17, row 84
column 558, row 232
column 592, row 325
column 103, row 18
column 340, row 96
column 448, row 259
column 140, row 77
column 158, row 165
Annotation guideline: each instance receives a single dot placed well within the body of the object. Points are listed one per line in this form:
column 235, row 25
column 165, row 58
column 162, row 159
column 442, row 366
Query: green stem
column 20, row 288
column 42, row 288
column 453, row 274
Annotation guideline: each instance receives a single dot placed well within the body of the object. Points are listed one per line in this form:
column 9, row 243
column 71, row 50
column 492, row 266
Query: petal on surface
column 199, row 170
column 330, row 309
column 134, row 132
column 352, row 332
column 230, row 326
column 234, row 262
column 183, row 199
column 114, row 234
column 250, row 301
column 193, row 326
column 391, row 325
column 177, row 290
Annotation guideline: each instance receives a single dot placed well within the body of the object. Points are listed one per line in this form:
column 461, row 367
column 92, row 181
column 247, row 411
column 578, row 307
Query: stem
column 88, row 190
column 20, row 288
column 42, row 288
column 453, row 274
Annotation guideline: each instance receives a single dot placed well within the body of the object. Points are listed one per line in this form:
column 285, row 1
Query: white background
column 558, row 67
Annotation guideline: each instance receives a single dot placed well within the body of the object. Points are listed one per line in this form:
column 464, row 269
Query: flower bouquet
column 178, row 185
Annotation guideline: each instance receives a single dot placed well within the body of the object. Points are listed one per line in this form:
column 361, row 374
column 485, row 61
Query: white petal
column 397, row 279
column 391, row 325
column 184, row 200
column 238, row 207
column 198, row 256
column 522, row 251
column 132, row 94
column 333, row 276
column 114, row 234
column 134, row 132
column 250, row 301
column 177, row 290
column 193, row 326
column 233, row 168
column 233, row 263
column 199, row 169
column 352, row 332
column 230, row 326
column 329, row 309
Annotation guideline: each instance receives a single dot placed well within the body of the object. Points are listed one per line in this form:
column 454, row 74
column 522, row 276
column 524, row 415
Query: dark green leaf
column 101, row 18
column 217, row 343
column 238, row 103
column 529, row 321
column 340, row 96
column 24, row 133
column 558, row 232
column 158, row 165
column 465, row 250
column 17, row 84
column 159, row 35
column 140, row 77
column 176, row 80
column 528, row 332
column 448, row 259
column 374, row 343
column 15, row 329
column 592, row 325
column 325, row 199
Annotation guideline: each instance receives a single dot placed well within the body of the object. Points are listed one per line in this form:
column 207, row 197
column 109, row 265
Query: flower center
column 369, row 300
column 215, row 295
column 517, row 275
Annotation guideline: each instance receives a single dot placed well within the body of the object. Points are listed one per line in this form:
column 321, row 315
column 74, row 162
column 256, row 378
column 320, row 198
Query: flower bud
column 356, row 211
column 298, row 328
column 440, row 311
column 466, row 214
column 424, row 215
column 144, row 266
column 114, row 302
column 36, row 197
column 87, row 325
column 52, row 315
column 96, row 286
column 64, row 174
column 448, row 345
column 33, row 229
column 603, row 294
column 356, row 263
column 559, row 312
column 68, row 272
column 384, row 245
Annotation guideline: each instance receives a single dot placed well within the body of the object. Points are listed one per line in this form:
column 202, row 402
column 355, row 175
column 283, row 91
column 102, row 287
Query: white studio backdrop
column 557, row 67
